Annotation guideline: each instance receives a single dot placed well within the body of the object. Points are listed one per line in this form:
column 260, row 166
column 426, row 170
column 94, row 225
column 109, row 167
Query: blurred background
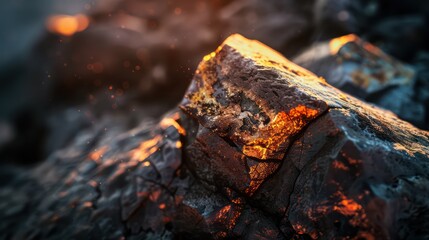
column 67, row 65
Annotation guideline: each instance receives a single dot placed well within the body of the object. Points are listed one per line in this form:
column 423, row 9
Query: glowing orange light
column 209, row 56
column 172, row 121
column 348, row 207
column 67, row 25
column 222, row 214
column 284, row 125
column 228, row 216
column 336, row 43
column 340, row 165
column 97, row 154
column 146, row 149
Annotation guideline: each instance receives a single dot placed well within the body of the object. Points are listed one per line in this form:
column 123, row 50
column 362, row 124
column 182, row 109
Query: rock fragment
column 364, row 71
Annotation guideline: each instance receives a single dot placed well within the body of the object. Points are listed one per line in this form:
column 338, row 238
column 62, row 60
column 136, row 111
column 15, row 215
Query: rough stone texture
column 364, row 71
column 346, row 166
column 147, row 51
column 262, row 149
column 107, row 184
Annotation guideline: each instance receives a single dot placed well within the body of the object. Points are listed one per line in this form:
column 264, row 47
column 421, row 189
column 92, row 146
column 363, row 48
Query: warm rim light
column 336, row 43
column 67, row 25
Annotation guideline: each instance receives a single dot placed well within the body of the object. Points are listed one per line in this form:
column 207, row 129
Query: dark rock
column 262, row 149
column 397, row 27
column 364, row 71
column 342, row 173
column 124, row 184
column 136, row 52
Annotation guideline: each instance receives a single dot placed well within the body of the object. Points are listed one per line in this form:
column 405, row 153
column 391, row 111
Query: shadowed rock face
column 261, row 149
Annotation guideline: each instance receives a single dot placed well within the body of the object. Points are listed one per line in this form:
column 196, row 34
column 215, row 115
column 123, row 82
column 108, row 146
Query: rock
column 261, row 149
column 334, row 168
column 364, row 71
column 107, row 183
column 147, row 50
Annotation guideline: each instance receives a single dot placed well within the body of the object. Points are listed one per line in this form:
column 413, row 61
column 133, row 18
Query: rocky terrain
column 116, row 121
column 259, row 148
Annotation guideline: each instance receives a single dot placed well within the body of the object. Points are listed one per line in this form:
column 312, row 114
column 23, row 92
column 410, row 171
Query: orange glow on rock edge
column 146, row 149
column 283, row 126
column 336, row 43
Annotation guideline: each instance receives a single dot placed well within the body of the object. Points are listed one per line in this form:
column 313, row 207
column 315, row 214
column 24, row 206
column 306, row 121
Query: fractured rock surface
column 261, row 149
column 344, row 166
